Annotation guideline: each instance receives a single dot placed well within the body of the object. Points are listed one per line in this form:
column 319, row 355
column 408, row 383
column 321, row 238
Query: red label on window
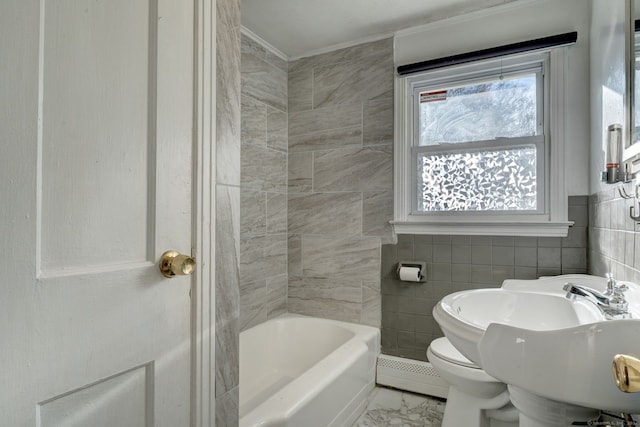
column 440, row 95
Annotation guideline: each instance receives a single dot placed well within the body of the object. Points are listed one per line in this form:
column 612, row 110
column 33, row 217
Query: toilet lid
column 443, row 348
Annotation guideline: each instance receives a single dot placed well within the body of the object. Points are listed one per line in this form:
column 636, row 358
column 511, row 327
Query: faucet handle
column 611, row 284
column 619, row 289
column 618, row 300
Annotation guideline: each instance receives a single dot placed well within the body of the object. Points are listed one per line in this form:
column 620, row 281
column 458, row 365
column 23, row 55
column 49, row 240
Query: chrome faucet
column 612, row 303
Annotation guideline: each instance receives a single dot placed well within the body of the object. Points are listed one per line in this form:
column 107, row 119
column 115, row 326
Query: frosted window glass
column 500, row 179
column 504, row 107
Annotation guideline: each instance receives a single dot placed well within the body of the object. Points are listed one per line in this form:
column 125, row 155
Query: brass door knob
column 173, row 263
column 626, row 371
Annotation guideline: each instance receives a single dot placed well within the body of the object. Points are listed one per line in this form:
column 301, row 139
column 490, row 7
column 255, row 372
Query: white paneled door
column 96, row 135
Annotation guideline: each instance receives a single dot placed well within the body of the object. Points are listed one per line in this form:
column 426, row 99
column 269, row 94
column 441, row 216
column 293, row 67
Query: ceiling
column 302, row 27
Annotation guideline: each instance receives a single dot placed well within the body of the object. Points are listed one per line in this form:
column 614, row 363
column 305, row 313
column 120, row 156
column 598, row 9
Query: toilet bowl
column 475, row 398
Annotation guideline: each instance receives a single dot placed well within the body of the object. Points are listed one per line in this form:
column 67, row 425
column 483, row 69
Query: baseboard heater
column 410, row 375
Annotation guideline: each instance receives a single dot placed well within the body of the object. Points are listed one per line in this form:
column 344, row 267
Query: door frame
column 203, row 210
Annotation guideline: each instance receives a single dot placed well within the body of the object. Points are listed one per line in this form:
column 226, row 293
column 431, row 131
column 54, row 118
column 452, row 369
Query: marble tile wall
column 340, row 200
column 614, row 238
column 227, row 216
column 456, row 263
column 263, row 194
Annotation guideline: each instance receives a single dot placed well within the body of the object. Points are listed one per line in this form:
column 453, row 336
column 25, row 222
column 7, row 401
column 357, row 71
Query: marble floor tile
column 388, row 407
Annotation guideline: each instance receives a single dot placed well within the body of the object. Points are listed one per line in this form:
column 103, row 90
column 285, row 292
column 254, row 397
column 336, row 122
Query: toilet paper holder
column 422, row 277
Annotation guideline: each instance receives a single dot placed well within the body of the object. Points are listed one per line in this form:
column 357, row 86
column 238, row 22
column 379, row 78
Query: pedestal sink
column 571, row 365
column 544, row 346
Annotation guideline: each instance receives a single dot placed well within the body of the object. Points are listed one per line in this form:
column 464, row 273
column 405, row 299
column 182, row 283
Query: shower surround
column 263, row 218
column 340, row 180
column 317, row 160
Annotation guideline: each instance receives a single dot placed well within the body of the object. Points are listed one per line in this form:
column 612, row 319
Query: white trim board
column 203, row 291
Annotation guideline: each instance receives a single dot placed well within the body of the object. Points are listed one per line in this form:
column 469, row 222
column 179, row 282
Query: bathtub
column 303, row 371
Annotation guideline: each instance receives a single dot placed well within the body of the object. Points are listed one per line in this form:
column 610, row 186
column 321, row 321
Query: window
column 474, row 149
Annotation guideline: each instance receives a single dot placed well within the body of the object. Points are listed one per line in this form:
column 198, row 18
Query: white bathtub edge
column 284, row 407
column 355, row 408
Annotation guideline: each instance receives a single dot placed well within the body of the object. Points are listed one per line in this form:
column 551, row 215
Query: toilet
column 475, row 398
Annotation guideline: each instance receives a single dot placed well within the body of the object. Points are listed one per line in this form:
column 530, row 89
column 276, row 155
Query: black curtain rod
column 494, row 52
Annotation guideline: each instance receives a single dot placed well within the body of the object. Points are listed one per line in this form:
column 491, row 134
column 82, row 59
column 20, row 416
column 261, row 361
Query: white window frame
column 549, row 222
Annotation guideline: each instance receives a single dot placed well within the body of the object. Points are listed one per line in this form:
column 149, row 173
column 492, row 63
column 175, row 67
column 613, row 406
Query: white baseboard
column 410, row 375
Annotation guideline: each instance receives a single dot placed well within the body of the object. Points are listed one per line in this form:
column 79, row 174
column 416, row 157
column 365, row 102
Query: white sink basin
column 464, row 316
column 528, row 334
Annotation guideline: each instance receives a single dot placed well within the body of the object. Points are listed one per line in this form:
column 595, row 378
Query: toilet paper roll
column 410, row 274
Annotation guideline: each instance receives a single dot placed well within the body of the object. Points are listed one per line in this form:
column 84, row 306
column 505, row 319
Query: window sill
column 537, row 229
